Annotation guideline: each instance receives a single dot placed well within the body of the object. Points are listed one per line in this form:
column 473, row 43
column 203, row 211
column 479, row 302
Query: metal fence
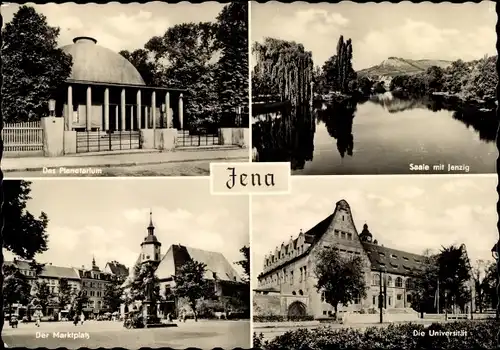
column 97, row 141
column 197, row 139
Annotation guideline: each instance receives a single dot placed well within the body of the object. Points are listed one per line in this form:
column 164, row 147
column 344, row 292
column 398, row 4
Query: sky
column 409, row 213
column 118, row 26
column 101, row 218
column 416, row 31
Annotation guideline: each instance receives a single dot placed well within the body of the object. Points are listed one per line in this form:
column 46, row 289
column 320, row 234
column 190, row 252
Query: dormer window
column 394, row 256
column 405, row 258
column 381, row 253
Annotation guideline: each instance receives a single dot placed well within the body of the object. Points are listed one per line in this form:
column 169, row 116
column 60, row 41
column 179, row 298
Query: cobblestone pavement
column 108, row 334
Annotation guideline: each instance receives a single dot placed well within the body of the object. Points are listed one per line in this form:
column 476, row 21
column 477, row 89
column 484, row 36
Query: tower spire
column 151, row 227
column 93, row 260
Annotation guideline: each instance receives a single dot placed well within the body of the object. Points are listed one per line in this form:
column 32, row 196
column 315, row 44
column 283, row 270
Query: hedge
column 280, row 318
column 479, row 335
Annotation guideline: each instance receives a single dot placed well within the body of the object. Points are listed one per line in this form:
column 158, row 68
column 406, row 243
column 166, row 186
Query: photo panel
column 89, row 264
column 151, row 89
column 379, row 262
column 375, row 88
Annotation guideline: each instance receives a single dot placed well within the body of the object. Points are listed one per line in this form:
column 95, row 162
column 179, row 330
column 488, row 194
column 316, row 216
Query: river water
column 382, row 135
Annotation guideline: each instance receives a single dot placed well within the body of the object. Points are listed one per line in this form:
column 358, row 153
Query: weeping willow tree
column 283, row 68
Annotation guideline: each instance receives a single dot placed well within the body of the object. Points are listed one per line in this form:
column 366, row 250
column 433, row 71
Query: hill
column 401, row 66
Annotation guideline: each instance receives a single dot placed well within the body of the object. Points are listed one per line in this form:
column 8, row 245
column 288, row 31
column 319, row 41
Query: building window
column 293, row 293
column 399, row 296
column 349, row 236
column 301, row 292
column 374, row 300
column 300, row 277
column 399, row 282
column 376, row 279
column 291, row 277
column 337, row 233
column 389, row 281
column 389, row 301
column 357, row 299
column 324, row 312
column 408, row 298
column 322, row 296
column 342, row 235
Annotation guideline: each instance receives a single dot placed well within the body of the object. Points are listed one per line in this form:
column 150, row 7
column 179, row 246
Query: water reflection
column 398, row 131
column 286, row 135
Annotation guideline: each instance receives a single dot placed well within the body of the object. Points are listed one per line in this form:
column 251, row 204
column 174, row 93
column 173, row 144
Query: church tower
column 150, row 247
column 366, row 235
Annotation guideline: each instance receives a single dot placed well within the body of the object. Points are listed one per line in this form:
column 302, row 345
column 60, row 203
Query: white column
column 89, row 108
column 131, row 118
column 106, row 109
column 181, row 111
column 153, row 109
column 167, row 110
column 122, row 109
column 69, row 117
column 146, row 117
column 139, row 110
column 116, row 117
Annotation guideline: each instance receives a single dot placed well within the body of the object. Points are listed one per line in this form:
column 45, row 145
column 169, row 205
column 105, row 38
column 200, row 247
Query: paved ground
column 108, row 334
column 178, row 163
column 193, row 168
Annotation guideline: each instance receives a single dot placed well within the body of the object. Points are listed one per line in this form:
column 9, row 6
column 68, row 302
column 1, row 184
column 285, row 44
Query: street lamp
column 52, row 107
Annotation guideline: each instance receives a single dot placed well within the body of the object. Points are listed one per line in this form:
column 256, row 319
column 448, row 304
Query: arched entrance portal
column 297, row 309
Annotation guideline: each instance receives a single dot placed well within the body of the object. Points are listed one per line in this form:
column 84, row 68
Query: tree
column 16, row 288
column 145, row 285
column 489, row 286
column 112, row 298
column 43, row 296
column 338, row 69
column 340, row 278
column 245, row 263
column 79, row 301
column 191, row 285
column 483, row 80
column 141, row 60
column 232, row 67
column 23, row 234
column 283, row 69
column 33, row 66
column 454, row 274
column 64, row 293
column 189, row 49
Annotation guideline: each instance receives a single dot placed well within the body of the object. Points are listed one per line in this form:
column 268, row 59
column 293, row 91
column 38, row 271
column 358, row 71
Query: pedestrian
column 37, row 318
column 82, row 318
column 75, row 319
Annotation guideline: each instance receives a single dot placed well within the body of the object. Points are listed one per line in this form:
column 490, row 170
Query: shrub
column 280, row 318
column 469, row 335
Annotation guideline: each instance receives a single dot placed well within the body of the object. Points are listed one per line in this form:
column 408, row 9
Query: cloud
column 304, row 25
column 420, row 39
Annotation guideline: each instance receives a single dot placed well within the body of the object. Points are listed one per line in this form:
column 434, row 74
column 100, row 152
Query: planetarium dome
column 92, row 62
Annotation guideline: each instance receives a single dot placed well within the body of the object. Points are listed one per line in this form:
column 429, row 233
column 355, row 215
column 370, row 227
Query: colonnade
column 122, row 109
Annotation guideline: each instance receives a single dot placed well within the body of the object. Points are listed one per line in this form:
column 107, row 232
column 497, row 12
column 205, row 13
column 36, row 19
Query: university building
column 219, row 272
column 286, row 286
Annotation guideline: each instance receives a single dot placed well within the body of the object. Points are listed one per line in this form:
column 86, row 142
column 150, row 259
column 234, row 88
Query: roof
column 151, row 239
column 49, row 271
column 215, row 262
column 52, row 271
column 92, row 62
column 394, row 261
column 118, row 269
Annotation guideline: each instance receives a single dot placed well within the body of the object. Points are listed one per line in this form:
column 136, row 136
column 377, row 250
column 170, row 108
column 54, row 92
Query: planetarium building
column 107, row 106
